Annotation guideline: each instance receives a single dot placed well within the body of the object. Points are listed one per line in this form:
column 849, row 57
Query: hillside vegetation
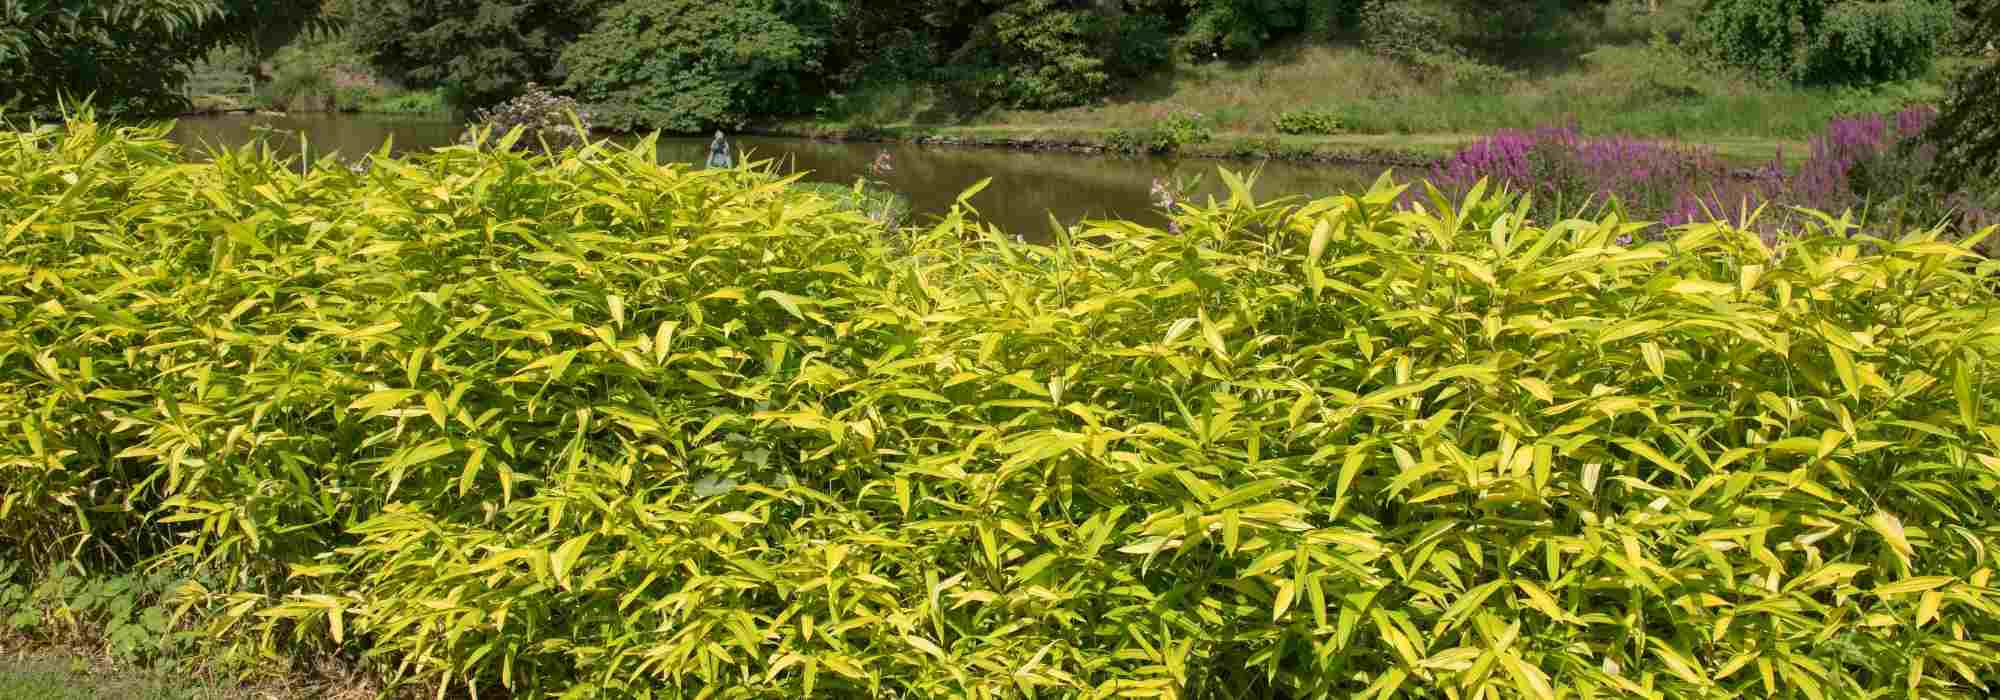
column 1397, row 65
column 589, row 425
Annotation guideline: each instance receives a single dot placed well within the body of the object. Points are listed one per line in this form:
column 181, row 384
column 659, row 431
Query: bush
column 1826, row 42
column 1877, row 41
column 481, row 52
column 1240, row 28
column 123, row 614
column 875, row 202
column 1175, row 132
column 1049, row 53
column 318, row 73
column 1308, row 121
column 1656, row 70
column 602, row 426
column 1411, row 32
column 548, row 123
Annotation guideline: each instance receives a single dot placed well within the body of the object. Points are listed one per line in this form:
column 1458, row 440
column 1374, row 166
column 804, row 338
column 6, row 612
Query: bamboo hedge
column 591, row 425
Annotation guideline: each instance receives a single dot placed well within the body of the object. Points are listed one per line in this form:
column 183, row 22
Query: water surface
column 1028, row 187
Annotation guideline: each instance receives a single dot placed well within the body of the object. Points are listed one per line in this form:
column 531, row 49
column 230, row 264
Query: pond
column 1028, row 187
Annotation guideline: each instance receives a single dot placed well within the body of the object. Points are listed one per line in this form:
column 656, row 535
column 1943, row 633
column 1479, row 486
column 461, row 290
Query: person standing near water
column 718, row 152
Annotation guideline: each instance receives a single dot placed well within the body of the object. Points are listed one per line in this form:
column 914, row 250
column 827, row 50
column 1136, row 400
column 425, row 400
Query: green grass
column 1637, row 90
column 396, row 101
column 42, row 677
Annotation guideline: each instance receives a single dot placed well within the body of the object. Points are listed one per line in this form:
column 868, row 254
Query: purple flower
column 1675, row 183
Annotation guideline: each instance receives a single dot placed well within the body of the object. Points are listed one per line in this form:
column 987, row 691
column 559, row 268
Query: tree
column 1967, row 131
column 262, row 27
column 480, row 51
column 1054, row 53
column 131, row 55
column 686, row 65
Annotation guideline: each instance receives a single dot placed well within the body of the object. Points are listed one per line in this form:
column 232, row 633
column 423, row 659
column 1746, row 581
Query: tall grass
column 590, row 425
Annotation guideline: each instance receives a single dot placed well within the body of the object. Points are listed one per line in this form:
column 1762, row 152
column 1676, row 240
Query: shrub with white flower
column 549, row 122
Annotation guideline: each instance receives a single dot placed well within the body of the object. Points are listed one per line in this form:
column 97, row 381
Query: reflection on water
column 1028, row 187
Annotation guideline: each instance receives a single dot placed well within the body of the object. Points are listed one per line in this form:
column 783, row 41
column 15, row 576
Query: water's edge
column 1031, row 182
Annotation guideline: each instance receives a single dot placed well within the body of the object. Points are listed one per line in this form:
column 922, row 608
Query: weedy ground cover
column 589, row 425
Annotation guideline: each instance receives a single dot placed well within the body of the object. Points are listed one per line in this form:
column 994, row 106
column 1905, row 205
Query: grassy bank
column 69, row 677
column 1370, row 149
column 1382, row 105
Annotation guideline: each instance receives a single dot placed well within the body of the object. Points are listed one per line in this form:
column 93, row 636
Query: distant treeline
column 685, row 65
column 689, row 64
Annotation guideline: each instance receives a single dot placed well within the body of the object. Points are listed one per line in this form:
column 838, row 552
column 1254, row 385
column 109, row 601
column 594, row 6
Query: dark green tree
column 480, row 51
column 1239, row 28
column 687, row 65
column 262, row 27
column 130, row 56
column 1055, row 53
column 1967, row 131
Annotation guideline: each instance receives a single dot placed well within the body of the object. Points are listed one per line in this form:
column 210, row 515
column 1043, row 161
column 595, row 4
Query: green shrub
column 307, row 76
column 1308, row 121
column 875, row 202
column 1826, row 42
column 1877, row 41
column 481, row 52
column 546, row 121
column 1410, row 32
column 1240, row 28
column 1051, row 53
column 122, row 615
column 1177, row 131
column 589, row 424
column 690, row 65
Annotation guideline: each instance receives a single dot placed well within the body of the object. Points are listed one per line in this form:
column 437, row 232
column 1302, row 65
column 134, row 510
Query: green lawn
column 56, row 678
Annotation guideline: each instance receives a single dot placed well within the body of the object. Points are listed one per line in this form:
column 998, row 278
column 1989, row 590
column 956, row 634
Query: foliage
column 1872, row 163
column 1407, row 31
column 1967, row 132
column 1825, row 42
column 1049, row 53
column 1877, row 41
column 126, row 55
column 688, row 65
column 1657, row 69
column 1178, row 130
column 50, row 679
column 1240, row 28
column 481, row 52
column 1308, row 121
column 876, row 202
column 1569, row 173
column 405, row 102
column 591, row 424
column 547, row 122
column 123, row 616
column 129, row 57
column 303, row 77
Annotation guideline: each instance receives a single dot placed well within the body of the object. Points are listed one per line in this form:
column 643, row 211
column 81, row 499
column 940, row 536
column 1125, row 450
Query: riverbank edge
column 1241, row 147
